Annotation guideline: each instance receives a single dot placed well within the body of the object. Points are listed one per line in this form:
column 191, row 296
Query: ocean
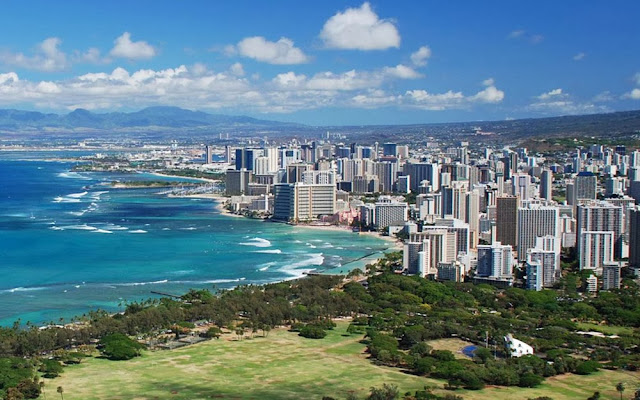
column 70, row 243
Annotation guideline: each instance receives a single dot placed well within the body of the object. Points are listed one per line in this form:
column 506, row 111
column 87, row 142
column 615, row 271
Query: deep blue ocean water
column 70, row 243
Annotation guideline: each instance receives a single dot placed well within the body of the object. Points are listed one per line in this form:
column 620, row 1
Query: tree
column 620, row 388
column 386, row 392
column 61, row 391
column 120, row 347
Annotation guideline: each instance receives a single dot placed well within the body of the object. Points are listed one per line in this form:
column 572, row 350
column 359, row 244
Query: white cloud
column 359, row 29
column 10, row 77
column 450, row 99
column 237, row 69
column 557, row 101
column 521, row 34
column 402, row 72
column 634, row 94
column 488, row 82
column 48, row 57
column 91, row 56
column 374, row 98
column 579, row 56
column 197, row 87
column 282, row 52
column 550, row 94
column 350, row 80
column 419, row 57
column 489, row 95
column 125, row 48
column 603, row 97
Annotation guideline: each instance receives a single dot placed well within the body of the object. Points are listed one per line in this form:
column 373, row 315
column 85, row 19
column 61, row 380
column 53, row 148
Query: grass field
column 454, row 345
column 606, row 329
column 281, row 366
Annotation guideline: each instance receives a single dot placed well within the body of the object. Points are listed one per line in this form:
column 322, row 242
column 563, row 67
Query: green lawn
column 606, row 329
column 281, row 366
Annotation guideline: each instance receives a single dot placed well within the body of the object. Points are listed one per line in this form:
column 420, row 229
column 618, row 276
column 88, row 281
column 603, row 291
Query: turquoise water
column 70, row 243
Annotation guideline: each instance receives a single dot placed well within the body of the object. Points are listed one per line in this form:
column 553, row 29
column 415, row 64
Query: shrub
column 312, row 332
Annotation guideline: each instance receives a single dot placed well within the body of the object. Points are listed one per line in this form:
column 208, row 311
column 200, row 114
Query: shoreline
column 180, row 177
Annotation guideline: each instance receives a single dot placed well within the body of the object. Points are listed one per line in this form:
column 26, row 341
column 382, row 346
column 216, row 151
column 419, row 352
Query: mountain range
column 170, row 118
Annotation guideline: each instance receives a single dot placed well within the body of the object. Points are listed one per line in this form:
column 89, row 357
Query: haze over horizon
column 331, row 63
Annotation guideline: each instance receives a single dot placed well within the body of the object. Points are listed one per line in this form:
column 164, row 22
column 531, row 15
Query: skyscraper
column 601, row 216
column 546, row 185
column 507, row 220
column 585, row 184
column 534, row 221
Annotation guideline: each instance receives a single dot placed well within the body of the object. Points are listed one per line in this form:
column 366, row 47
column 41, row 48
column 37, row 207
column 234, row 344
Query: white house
column 517, row 348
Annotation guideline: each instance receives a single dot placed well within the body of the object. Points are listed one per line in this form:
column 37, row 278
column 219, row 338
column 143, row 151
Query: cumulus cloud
column 197, row 87
column 488, row 82
column 47, row 57
column 124, row 47
column 634, row 94
column 402, row 72
column 419, row 57
column 579, row 56
column 552, row 93
column 359, row 29
column 556, row 101
column 490, row 94
column 237, row 69
column 257, row 47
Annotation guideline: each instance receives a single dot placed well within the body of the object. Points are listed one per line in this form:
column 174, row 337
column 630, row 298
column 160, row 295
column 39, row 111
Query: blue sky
column 324, row 63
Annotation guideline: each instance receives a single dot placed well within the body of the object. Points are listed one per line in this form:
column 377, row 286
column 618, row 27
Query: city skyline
column 324, row 64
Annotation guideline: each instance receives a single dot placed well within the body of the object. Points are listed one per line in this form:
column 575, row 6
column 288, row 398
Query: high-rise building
column 390, row 149
column 521, row 186
column 546, row 185
column 634, row 238
column 245, row 158
column 237, row 182
column 386, row 172
column 534, row 270
column 454, row 200
column 422, row 171
column 303, row 202
column 295, row 171
column 404, row 185
column 595, row 248
column 208, row 154
column 534, row 221
column 545, row 254
column 389, row 212
column 495, row 261
column 611, row 276
column 425, row 250
column 507, row 220
column 601, row 216
column 585, row 184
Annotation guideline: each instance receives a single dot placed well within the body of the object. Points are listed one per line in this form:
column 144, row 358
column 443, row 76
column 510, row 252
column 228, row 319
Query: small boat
column 355, row 229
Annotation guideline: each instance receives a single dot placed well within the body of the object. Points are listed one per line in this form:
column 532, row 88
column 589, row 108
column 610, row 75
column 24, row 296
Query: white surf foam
column 73, row 175
column 101, row 231
column 300, row 268
column 138, row 231
column 273, row 251
column 256, row 242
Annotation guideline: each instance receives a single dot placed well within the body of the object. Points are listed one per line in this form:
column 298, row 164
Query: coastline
column 181, row 177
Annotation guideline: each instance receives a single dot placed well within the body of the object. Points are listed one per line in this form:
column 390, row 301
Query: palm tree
column 60, row 390
column 620, row 388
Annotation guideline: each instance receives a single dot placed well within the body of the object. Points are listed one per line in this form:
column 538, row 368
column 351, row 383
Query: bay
column 70, row 243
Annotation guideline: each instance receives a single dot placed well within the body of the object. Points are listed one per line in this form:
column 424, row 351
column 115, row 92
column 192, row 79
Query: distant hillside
column 169, row 118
